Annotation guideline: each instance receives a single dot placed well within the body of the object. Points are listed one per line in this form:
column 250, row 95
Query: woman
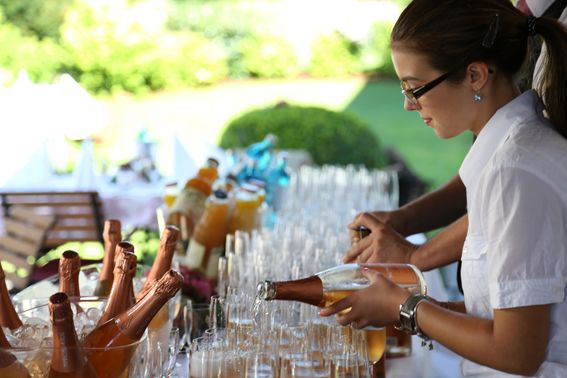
column 458, row 61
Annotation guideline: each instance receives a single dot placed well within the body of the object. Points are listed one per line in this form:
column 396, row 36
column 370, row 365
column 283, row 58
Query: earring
column 477, row 97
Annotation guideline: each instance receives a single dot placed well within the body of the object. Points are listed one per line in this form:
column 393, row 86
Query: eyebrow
column 406, row 78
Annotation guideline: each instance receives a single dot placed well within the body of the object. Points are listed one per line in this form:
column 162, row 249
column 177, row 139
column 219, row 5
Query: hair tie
column 531, row 26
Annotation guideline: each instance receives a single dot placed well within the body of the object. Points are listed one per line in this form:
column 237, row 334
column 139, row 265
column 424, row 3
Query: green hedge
column 330, row 137
column 333, row 55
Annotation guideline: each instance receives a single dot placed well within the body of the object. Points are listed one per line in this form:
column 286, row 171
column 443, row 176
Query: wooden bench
column 37, row 221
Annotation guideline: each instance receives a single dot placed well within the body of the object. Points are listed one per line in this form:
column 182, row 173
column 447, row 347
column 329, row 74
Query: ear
column 477, row 75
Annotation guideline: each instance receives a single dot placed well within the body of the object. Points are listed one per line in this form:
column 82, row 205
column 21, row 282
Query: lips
column 427, row 121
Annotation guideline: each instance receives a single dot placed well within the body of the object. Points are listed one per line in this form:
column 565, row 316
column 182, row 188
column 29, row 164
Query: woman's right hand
column 383, row 244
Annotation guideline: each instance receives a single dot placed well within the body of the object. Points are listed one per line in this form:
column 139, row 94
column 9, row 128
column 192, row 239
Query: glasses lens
column 408, row 92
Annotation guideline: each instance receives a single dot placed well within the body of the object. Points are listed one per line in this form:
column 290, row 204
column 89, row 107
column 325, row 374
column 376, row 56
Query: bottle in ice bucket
column 112, row 344
column 68, row 359
column 8, row 316
column 69, row 269
column 164, row 257
column 121, row 296
column 207, row 243
column 9, row 364
column 112, row 235
column 190, row 203
column 331, row 285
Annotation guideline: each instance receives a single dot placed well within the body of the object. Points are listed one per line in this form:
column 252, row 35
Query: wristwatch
column 408, row 320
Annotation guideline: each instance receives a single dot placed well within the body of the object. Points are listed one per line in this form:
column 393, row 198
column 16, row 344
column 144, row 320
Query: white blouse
column 515, row 252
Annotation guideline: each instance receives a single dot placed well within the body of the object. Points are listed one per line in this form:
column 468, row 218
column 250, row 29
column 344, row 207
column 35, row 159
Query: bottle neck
column 120, row 298
column 134, row 321
column 8, row 316
column 307, row 290
column 68, row 354
column 106, row 273
column 69, row 284
column 162, row 263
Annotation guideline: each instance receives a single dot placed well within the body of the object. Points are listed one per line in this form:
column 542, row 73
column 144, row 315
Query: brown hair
column 454, row 33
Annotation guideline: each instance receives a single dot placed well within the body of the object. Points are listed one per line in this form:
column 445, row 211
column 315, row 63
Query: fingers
column 372, row 275
column 353, row 252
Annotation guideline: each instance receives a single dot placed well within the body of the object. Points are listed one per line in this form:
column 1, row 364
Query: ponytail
column 551, row 75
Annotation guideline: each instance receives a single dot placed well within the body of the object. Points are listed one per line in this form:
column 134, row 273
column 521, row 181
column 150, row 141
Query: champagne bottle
column 69, row 268
column 8, row 315
column 9, row 364
column 327, row 287
column 164, row 256
column 112, row 236
column 121, row 296
column 117, row 337
column 68, row 359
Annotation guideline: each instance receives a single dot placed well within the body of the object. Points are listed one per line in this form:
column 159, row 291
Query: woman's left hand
column 377, row 305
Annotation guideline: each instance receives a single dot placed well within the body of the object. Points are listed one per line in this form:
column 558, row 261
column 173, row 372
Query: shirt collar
column 523, row 107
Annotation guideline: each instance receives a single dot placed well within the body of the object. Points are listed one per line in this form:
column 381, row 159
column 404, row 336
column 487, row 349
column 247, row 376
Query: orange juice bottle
column 207, row 243
column 189, row 205
column 245, row 214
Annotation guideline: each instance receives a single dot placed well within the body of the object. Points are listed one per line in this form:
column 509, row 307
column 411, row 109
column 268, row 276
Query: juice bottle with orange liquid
column 244, row 217
column 189, row 204
column 208, row 240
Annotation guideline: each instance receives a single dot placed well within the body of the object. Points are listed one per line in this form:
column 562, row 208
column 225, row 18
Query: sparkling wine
column 121, row 296
column 8, row 316
column 339, row 281
column 68, row 358
column 112, row 236
column 375, row 342
column 118, row 337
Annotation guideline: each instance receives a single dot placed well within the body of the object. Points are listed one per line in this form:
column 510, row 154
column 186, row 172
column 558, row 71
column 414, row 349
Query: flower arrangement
column 196, row 285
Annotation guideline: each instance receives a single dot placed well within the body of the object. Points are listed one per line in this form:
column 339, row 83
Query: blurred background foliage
column 139, row 46
column 329, row 136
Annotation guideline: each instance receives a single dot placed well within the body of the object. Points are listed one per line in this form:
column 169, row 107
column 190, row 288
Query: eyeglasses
column 412, row 94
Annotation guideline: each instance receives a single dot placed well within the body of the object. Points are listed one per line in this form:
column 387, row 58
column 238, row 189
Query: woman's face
column 447, row 108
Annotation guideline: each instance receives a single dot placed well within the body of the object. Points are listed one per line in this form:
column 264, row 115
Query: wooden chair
column 37, row 221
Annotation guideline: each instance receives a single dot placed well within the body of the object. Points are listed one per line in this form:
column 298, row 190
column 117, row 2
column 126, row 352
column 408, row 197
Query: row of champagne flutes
column 285, row 340
column 309, row 235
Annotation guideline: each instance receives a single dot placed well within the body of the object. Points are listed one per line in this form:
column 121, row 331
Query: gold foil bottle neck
column 126, row 263
column 169, row 284
column 69, row 264
column 112, row 231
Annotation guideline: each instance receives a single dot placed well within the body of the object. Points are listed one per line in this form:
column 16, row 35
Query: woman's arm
column 514, row 341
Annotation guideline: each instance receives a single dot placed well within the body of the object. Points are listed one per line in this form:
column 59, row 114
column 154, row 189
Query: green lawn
column 435, row 160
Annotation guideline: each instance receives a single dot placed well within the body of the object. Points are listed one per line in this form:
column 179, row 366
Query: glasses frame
column 413, row 94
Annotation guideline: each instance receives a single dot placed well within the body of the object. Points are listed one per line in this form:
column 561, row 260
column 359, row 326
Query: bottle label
column 195, row 254
column 213, row 263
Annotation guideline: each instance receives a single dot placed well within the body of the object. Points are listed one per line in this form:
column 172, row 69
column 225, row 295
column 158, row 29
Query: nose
column 409, row 106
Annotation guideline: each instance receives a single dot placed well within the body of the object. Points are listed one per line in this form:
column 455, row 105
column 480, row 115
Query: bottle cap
column 212, row 162
column 124, row 246
column 69, row 263
column 220, row 194
column 126, row 262
column 60, row 308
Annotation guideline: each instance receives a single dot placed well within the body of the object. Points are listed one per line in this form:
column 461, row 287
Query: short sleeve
column 523, row 219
